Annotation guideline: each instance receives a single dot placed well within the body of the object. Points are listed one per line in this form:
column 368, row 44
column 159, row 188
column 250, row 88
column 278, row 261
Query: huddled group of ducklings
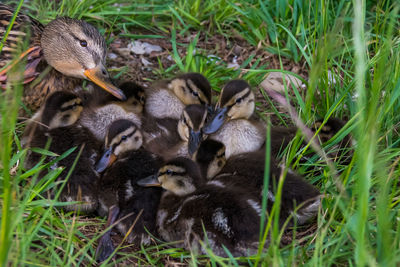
column 208, row 159
column 162, row 160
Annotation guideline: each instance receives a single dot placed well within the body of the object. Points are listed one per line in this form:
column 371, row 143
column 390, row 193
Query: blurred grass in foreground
column 352, row 51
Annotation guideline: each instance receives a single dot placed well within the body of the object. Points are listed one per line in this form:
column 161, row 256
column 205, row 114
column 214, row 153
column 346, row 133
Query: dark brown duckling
column 124, row 162
column 74, row 50
column 58, row 122
column 246, row 171
column 203, row 215
column 342, row 151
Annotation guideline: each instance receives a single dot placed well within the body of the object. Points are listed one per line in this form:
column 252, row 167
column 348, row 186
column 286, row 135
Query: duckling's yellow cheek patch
column 183, row 131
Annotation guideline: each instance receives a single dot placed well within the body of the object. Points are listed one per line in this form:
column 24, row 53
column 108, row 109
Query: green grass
column 356, row 42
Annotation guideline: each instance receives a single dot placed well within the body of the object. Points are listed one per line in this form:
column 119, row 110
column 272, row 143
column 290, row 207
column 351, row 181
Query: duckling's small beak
column 106, row 160
column 100, row 76
column 194, row 141
column 217, row 120
column 149, row 181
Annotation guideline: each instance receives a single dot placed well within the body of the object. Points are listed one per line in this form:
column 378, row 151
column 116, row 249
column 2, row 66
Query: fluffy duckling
column 204, row 214
column 232, row 123
column 187, row 136
column 74, row 49
column 282, row 136
column 167, row 99
column 341, row 152
column 124, row 162
column 102, row 110
column 58, row 123
column 246, row 171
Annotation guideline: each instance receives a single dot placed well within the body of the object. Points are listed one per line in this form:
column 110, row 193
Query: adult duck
column 60, row 55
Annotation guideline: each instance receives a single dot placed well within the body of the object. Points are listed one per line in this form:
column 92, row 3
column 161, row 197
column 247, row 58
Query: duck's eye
column 169, row 172
column 195, row 93
column 123, row 138
column 83, row 43
column 238, row 100
column 141, row 99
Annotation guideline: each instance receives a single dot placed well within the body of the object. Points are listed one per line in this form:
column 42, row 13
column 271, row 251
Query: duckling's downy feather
column 164, row 105
column 99, row 119
column 240, row 136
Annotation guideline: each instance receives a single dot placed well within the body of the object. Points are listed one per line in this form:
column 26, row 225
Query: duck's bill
column 194, row 141
column 99, row 76
column 149, row 181
column 106, row 160
column 217, row 120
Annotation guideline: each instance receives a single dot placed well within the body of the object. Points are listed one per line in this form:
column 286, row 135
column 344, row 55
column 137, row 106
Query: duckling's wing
column 24, row 28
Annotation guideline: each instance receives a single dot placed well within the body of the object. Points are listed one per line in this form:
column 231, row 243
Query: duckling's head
column 122, row 136
column 236, row 101
column 191, row 88
column 61, row 109
column 329, row 129
column 135, row 97
column 180, row 176
column 77, row 49
column 210, row 156
column 190, row 125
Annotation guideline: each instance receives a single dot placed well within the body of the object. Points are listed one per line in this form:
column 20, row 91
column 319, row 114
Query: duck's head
column 61, row 109
column 135, row 97
column 191, row 88
column 122, row 136
column 180, row 176
column 236, row 101
column 190, row 125
column 77, row 49
column 210, row 156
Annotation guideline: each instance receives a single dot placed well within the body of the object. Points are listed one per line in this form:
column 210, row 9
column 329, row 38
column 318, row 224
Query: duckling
column 282, row 136
column 167, row 99
column 246, row 171
column 201, row 214
column 103, row 110
column 341, row 152
column 183, row 142
column 232, row 123
column 124, row 162
column 74, row 50
column 58, row 123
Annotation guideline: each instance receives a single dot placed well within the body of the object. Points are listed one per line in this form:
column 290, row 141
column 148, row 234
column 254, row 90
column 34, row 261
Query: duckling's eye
column 195, row 93
column 169, row 172
column 141, row 99
column 123, row 138
column 83, row 43
column 238, row 100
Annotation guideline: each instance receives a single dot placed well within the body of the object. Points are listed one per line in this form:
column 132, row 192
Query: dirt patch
column 228, row 50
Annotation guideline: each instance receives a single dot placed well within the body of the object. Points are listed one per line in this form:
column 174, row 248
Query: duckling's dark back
column 122, row 178
column 228, row 217
column 247, row 171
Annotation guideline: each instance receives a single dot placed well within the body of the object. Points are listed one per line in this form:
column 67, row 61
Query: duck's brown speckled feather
column 37, row 86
